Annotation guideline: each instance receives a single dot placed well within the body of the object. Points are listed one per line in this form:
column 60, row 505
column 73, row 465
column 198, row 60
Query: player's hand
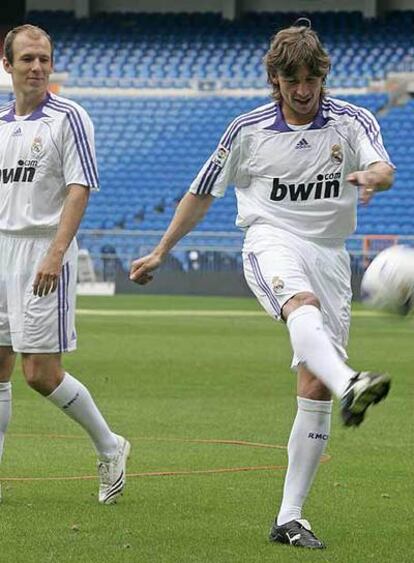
column 141, row 269
column 47, row 276
column 366, row 181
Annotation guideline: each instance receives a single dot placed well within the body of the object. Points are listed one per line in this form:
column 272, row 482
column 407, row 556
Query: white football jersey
column 295, row 179
column 40, row 155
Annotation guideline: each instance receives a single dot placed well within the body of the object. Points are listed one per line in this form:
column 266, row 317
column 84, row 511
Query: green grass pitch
column 180, row 381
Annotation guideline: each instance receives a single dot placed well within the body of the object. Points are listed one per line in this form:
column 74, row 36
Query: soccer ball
column 388, row 282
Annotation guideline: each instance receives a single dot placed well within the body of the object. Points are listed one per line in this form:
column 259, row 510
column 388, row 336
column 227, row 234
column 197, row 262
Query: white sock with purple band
column 307, row 443
column 314, row 348
column 5, row 411
column 75, row 400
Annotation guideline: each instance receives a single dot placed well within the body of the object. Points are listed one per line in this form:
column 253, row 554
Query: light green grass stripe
column 168, row 313
column 193, row 313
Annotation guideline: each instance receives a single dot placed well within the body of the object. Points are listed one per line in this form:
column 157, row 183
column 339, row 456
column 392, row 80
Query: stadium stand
column 150, row 147
column 171, row 49
column 149, row 150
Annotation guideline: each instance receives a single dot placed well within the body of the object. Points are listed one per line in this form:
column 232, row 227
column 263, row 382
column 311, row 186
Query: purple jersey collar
column 36, row 114
column 281, row 125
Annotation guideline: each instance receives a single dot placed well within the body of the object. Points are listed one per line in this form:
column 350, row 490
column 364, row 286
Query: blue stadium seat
column 183, row 46
column 147, row 163
column 149, row 149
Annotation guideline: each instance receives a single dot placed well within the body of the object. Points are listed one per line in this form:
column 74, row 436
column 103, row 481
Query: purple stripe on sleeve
column 251, row 115
column 367, row 122
column 227, row 140
column 213, row 170
column 248, row 119
column 209, row 170
column 83, row 135
column 82, row 145
column 79, row 147
column 210, row 180
column 261, row 282
column 368, row 126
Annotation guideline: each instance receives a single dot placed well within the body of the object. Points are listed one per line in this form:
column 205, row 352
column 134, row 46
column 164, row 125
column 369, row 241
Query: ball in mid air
column 388, row 282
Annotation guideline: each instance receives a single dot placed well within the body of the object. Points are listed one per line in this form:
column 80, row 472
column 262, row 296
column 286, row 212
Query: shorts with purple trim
column 29, row 323
column 278, row 265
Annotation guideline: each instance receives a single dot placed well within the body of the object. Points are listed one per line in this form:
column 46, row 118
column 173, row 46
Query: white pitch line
column 193, row 313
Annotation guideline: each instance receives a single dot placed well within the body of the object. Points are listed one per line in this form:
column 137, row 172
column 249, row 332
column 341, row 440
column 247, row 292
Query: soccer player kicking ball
column 48, row 168
column 295, row 163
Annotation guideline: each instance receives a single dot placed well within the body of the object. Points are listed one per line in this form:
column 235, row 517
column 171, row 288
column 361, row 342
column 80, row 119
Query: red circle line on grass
column 183, row 472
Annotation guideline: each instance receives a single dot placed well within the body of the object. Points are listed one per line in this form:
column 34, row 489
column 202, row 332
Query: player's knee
column 6, row 370
column 299, row 300
column 315, row 390
column 311, row 387
column 33, row 374
column 7, row 360
column 311, row 300
column 39, row 375
column 38, row 382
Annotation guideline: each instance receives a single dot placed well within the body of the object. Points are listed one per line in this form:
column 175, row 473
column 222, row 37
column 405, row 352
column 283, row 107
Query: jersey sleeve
column 78, row 150
column 222, row 168
column 369, row 147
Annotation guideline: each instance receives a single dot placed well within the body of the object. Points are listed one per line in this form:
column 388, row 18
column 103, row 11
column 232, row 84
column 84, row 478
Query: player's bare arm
column 47, row 276
column 379, row 177
column 189, row 213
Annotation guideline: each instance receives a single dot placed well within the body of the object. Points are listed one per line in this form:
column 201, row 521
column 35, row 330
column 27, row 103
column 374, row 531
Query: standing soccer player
column 296, row 163
column 48, row 167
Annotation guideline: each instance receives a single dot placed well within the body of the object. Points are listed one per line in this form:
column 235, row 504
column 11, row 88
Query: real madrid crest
column 37, row 147
column 337, row 156
column 277, row 284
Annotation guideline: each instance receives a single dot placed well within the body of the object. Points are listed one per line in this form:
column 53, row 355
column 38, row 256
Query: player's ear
column 275, row 79
column 7, row 66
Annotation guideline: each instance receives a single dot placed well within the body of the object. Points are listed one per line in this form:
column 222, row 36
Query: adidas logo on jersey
column 303, row 144
column 17, row 132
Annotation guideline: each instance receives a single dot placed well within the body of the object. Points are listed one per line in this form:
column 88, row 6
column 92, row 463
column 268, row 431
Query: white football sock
column 314, row 348
column 5, row 411
column 307, row 443
column 75, row 400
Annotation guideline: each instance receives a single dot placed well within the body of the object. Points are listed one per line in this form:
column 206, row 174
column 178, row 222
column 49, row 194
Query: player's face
column 32, row 64
column 300, row 94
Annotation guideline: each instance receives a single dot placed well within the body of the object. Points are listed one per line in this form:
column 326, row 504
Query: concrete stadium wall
column 227, row 284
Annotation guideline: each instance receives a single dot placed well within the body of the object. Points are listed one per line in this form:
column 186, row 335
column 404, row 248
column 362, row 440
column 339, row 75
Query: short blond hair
column 32, row 30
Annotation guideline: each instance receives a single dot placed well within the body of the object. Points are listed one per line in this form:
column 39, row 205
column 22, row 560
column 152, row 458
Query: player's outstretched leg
column 297, row 533
column 366, row 388
column 312, row 345
column 112, row 473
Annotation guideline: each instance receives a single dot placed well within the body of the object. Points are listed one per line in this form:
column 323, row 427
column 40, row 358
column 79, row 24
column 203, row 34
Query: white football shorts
column 29, row 323
column 278, row 265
